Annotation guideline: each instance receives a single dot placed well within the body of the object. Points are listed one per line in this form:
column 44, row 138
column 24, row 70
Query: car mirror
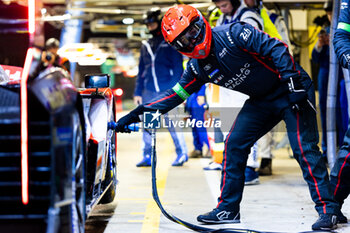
column 97, row 80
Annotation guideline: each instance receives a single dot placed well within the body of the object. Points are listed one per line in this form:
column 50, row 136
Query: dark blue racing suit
column 340, row 174
column 249, row 61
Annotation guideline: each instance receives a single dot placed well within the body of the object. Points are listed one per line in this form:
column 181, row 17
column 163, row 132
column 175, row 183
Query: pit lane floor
column 280, row 203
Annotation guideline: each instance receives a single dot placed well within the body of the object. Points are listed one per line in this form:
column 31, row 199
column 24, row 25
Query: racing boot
column 180, row 160
column 217, row 216
column 145, row 162
column 325, row 222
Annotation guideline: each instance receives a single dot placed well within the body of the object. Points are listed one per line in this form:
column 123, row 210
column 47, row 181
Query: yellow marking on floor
column 137, row 213
column 152, row 215
column 135, row 220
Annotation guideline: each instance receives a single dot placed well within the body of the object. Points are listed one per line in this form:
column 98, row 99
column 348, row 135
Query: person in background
column 160, row 67
column 340, row 173
column 50, row 57
column 196, row 106
column 279, row 89
column 320, row 55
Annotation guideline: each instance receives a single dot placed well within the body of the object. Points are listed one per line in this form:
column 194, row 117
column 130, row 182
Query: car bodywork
column 71, row 160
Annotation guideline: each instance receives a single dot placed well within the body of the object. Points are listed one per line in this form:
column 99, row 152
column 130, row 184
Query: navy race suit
column 249, row 61
column 340, row 174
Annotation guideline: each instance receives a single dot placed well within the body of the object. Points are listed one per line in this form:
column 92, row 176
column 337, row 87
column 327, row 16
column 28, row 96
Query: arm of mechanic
column 260, row 44
column 342, row 35
column 188, row 84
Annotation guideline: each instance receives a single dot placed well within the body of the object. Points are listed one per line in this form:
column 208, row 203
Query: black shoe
column 325, row 222
column 342, row 218
column 265, row 167
column 217, row 216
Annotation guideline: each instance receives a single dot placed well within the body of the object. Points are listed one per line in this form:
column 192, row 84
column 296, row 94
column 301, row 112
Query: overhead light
column 128, row 21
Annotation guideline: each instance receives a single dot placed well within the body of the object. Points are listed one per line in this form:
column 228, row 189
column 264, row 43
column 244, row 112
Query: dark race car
column 70, row 162
column 57, row 151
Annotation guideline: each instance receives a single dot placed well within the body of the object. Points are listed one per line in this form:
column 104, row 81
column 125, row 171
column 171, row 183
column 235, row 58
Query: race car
column 57, row 153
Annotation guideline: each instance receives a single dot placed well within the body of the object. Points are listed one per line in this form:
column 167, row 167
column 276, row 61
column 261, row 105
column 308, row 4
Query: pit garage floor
column 280, row 203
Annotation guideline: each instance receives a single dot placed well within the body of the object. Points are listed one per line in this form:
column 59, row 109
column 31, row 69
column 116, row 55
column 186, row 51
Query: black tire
column 72, row 216
column 111, row 171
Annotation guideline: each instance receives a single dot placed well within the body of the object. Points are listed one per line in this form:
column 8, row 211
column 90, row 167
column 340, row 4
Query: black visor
column 189, row 38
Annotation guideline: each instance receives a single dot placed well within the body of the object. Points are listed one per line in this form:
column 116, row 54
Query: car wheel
column 73, row 215
column 111, row 170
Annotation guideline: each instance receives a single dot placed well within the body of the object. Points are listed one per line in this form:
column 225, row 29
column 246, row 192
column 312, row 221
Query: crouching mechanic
column 239, row 57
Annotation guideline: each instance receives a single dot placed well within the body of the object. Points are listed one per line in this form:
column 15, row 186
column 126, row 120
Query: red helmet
column 185, row 29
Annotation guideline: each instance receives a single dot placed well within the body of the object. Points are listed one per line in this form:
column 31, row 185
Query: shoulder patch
column 245, row 34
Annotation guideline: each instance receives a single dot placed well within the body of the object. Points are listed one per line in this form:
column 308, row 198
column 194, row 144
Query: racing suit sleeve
column 188, row 84
column 139, row 85
column 261, row 45
column 341, row 39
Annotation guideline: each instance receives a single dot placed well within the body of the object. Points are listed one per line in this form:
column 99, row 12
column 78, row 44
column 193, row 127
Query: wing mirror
column 97, row 80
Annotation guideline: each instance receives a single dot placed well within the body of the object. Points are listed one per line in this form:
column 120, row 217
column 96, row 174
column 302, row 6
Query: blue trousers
column 256, row 118
column 178, row 138
column 340, row 174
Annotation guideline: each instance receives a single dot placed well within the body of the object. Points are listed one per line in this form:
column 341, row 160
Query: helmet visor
column 188, row 39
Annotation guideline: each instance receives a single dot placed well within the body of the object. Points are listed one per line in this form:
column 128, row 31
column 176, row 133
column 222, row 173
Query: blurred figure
column 49, row 56
column 320, row 55
column 160, row 67
column 196, row 106
column 274, row 24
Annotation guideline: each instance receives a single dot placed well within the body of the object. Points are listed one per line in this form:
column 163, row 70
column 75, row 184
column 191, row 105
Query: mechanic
column 160, row 67
column 239, row 57
column 340, row 174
